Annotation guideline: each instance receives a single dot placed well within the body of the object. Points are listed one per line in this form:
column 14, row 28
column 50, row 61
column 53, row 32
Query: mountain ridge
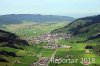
column 87, row 26
column 19, row 18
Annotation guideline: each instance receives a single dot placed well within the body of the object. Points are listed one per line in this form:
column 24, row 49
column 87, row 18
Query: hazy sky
column 74, row 8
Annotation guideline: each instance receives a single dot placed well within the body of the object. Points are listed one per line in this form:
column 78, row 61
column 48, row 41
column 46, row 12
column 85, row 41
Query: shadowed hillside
column 8, row 39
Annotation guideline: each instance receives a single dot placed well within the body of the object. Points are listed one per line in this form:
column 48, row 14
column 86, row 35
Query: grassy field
column 32, row 53
column 27, row 56
column 76, row 52
column 33, row 29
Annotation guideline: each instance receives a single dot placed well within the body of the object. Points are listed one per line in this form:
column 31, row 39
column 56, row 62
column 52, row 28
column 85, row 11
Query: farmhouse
column 64, row 46
column 42, row 61
column 87, row 51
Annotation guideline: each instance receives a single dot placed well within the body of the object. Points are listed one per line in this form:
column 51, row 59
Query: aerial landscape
column 49, row 33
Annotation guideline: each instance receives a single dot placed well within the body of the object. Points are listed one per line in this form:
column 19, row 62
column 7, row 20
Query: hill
column 83, row 27
column 8, row 39
column 18, row 18
column 84, row 30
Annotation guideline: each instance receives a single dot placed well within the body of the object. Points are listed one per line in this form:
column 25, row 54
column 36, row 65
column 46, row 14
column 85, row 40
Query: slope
column 83, row 27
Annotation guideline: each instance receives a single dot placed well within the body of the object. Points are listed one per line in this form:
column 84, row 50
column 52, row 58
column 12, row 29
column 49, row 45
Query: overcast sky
column 74, row 8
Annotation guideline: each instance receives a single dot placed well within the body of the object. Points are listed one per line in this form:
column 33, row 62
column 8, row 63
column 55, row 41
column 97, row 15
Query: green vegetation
column 86, row 32
column 28, row 54
column 82, row 27
column 84, row 42
column 76, row 52
column 33, row 29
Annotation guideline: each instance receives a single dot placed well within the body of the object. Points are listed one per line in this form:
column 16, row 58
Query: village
column 52, row 43
column 51, row 39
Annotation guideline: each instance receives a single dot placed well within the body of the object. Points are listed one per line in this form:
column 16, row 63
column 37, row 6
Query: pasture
column 32, row 53
column 33, row 29
column 76, row 52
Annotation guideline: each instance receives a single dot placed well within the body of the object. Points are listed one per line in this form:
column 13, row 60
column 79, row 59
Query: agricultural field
column 33, row 29
column 31, row 54
column 27, row 56
column 77, row 51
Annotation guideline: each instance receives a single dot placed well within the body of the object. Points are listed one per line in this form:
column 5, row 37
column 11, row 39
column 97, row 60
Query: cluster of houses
column 65, row 46
column 43, row 61
column 52, row 39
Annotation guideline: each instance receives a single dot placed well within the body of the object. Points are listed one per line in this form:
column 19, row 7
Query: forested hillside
column 84, row 27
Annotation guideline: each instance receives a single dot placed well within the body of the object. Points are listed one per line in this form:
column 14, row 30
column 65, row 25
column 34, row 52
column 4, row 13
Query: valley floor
column 33, row 53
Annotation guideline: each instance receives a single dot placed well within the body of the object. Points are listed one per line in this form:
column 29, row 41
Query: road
column 52, row 55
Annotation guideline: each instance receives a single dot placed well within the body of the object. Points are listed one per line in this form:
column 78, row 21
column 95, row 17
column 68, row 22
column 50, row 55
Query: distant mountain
column 8, row 39
column 18, row 18
column 88, row 27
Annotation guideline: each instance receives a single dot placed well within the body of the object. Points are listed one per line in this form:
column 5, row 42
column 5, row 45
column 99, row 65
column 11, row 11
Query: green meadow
column 33, row 29
column 76, row 52
column 32, row 53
